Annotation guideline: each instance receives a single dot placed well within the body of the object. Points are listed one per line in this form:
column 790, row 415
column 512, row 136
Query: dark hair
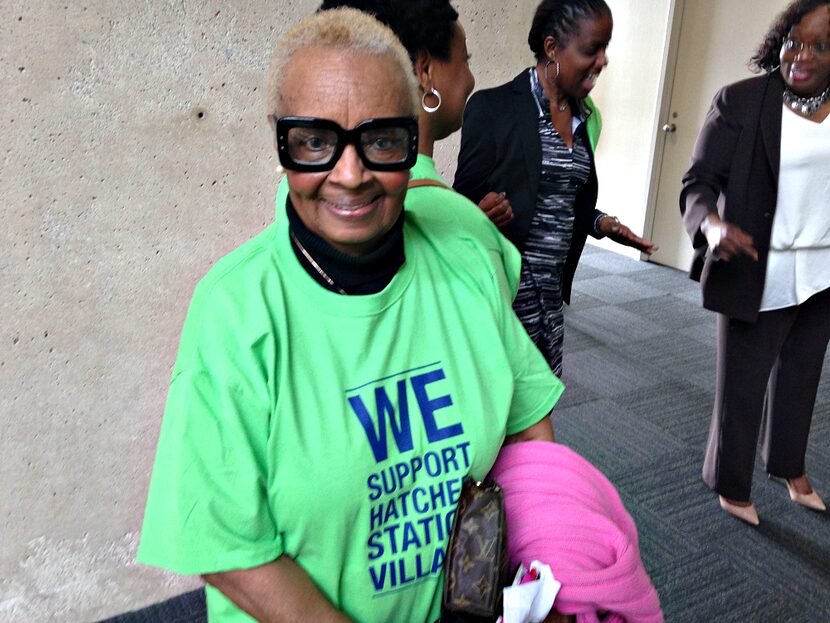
column 766, row 58
column 421, row 25
column 560, row 19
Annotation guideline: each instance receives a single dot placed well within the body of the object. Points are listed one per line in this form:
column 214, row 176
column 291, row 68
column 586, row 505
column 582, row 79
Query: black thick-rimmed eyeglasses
column 309, row 144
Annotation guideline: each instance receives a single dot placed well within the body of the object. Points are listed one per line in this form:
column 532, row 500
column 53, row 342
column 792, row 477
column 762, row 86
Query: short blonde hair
column 344, row 29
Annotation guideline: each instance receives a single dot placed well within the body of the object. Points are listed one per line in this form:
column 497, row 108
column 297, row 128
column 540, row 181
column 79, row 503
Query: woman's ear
column 423, row 70
column 272, row 121
column 551, row 47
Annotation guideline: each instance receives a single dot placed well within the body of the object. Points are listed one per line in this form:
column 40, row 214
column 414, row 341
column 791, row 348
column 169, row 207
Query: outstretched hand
column 616, row 231
column 497, row 208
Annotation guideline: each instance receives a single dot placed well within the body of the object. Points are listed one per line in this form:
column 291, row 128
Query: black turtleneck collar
column 354, row 274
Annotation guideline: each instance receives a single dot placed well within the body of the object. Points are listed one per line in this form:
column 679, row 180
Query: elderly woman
column 528, row 140
column 317, row 431
column 756, row 203
column 435, row 41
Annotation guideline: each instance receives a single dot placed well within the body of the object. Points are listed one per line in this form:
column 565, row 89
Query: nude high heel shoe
column 746, row 513
column 810, row 500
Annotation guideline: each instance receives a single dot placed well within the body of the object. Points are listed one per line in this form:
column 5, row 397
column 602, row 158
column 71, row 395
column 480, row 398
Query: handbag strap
column 426, row 182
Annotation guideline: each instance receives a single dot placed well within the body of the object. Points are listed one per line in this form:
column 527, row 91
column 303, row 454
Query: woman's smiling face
column 350, row 206
column 805, row 56
column 582, row 56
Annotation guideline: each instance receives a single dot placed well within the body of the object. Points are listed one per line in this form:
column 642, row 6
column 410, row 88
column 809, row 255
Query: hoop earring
column 552, row 60
column 425, row 106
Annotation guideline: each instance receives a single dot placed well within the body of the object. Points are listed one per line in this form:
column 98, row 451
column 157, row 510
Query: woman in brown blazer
column 756, row 203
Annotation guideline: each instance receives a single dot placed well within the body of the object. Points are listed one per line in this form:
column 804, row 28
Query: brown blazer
column 734, row 171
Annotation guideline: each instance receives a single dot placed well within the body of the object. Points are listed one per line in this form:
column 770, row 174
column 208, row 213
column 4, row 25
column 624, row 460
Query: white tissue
column 532, row 601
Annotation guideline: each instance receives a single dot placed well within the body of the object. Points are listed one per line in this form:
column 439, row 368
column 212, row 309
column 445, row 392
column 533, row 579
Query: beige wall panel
column 135, row 153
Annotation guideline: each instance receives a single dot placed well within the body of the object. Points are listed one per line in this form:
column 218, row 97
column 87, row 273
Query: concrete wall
column 135, row 153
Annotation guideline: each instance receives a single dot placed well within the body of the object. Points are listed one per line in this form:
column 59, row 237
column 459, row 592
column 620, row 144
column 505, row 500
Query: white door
column 716, row 40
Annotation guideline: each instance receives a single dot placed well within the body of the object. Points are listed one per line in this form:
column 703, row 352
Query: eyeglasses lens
column 311, row 145
column 385, row 145
column 794, row 45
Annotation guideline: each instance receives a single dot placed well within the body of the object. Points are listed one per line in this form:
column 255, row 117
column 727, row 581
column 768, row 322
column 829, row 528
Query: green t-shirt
column 337, row 429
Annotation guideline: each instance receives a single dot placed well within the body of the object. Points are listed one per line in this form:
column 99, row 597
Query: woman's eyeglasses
column 796, row 46
column 309, row 144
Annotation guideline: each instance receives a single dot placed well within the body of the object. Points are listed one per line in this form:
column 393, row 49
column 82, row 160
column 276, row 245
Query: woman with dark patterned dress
column 529, row 139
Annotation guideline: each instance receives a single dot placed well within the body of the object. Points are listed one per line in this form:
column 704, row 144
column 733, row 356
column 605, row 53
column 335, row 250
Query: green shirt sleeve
column 207, row 507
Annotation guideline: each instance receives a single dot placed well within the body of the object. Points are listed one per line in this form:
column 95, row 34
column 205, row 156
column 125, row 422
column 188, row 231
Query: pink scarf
column 562, row 511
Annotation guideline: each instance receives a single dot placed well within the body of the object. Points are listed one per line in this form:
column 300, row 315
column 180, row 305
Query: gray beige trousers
column 767, row 370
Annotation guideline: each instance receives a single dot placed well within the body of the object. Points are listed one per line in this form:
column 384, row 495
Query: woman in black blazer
column 756, row 203
column 526, row 160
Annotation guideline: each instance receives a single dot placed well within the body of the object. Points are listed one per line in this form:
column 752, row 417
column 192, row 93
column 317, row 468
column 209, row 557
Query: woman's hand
column 727, row 240
column 616, row 231
column 497, row 208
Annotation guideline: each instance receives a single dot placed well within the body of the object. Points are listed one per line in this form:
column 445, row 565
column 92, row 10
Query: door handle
column 669, row 128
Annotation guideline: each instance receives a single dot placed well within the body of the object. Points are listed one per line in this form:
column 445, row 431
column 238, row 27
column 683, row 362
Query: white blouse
column 799, row 255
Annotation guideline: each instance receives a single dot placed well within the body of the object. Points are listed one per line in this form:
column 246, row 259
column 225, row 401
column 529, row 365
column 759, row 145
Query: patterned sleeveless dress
column 539, row 303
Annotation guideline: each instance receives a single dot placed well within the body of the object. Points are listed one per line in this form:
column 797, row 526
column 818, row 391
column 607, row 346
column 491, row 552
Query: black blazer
column 501, row 152
column 734, row 171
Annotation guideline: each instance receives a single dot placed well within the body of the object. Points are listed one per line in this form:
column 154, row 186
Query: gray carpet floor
column 639, row 369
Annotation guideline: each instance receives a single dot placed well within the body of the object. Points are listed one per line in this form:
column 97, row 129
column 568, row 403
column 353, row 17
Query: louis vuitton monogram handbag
column 476, row 568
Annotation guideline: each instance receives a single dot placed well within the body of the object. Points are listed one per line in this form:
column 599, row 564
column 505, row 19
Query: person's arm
column 611, row 227
column 477, row 154
column 540, row 431
column 708, row 176
column 277, row 592
column 477, row 158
